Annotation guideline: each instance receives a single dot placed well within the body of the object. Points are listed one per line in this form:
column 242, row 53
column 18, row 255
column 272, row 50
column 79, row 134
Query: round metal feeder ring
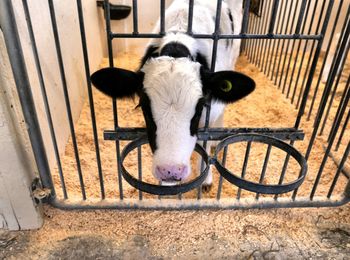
column 159, row 189
column 259, row 187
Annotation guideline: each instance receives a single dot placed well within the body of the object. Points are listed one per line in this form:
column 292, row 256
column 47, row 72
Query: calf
column 174, row 82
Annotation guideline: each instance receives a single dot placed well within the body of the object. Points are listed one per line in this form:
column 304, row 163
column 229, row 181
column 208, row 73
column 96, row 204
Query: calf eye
column 226, row 85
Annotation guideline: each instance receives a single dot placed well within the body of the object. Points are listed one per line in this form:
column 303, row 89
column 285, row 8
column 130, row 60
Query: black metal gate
column 285, row 41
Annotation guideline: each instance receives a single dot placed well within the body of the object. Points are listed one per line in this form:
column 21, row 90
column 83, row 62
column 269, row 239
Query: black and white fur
column 174, row 81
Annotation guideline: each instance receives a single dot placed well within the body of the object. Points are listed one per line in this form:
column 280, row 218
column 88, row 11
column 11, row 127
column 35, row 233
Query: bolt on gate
column 298, row 48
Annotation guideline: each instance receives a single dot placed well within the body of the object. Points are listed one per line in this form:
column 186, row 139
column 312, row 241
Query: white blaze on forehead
column 174, row 88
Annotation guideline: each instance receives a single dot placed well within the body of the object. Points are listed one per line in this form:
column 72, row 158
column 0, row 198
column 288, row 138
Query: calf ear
column 227, row 86
column 117, row 83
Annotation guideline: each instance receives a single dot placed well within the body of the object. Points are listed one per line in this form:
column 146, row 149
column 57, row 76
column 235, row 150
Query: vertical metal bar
column 340, row 70
column 245, row 21
column 212, row 68
column 288, row 69
column 259, row 31
column 91, row 98
column 205, row 143
column 279, row 15
column 343, row 131
column 223, row 162
column 299, row 71
column 266, row 42
column 139, row 166
column 134, row 17
column 329, row 147
column 284, row 169
column 45, row 99
column 268, row 58
column 249, row 41
column 66, row 96
column 284, row 41
column 162, row 17
column 301, row 16
column 295, row 192
column 330, row 103
column 264, row 27
column 245, row 163
column 311, row 52
column 339, row 170
column 327, row 88
column 13, row 45
column 108, row 32
column 309, row 81
column 279, row 40
column 341, row 104
column 160, row 196
column 273, row 16
column 179, row 196
column 291, row 53
column 304, row 51
column 114, row 102
column 325, row 59
column 216, row 34
column 263, row 171
column 299, row 24
column 190, row 17
column 314, row 64
column 347, row 190
column 330, row 80
column 252, row 44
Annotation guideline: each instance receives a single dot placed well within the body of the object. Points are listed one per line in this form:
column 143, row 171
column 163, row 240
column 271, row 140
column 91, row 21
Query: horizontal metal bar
column 190, row 204
column 210, row 134
column 224, row 36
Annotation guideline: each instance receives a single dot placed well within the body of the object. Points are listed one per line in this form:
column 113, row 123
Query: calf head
column 172, row 94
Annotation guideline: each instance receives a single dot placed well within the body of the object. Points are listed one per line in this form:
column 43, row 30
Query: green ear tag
column 226, row 86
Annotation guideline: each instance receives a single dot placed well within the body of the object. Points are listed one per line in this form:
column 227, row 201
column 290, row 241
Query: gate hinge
column 39, row 193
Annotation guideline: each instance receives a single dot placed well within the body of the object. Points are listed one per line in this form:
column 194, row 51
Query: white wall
column 68, row 27
column 17, row 208
column 148, row 14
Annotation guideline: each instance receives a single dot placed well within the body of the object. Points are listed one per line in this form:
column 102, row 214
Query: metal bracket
column 216, row 134
column 39, row 193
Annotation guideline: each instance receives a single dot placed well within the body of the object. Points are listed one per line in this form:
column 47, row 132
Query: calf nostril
column 170, row 173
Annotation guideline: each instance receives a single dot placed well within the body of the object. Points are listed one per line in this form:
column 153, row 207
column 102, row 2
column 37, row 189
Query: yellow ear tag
column 226, row 86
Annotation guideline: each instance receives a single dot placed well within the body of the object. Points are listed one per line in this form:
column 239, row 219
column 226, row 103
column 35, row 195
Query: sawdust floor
column 249, row 234
column 265, row 107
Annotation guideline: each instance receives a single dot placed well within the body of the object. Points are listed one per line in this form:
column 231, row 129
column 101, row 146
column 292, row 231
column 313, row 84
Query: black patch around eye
column 197, row 116
column 151, row 52
column 202, row 60
column 175, row 50
column 145, row 104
